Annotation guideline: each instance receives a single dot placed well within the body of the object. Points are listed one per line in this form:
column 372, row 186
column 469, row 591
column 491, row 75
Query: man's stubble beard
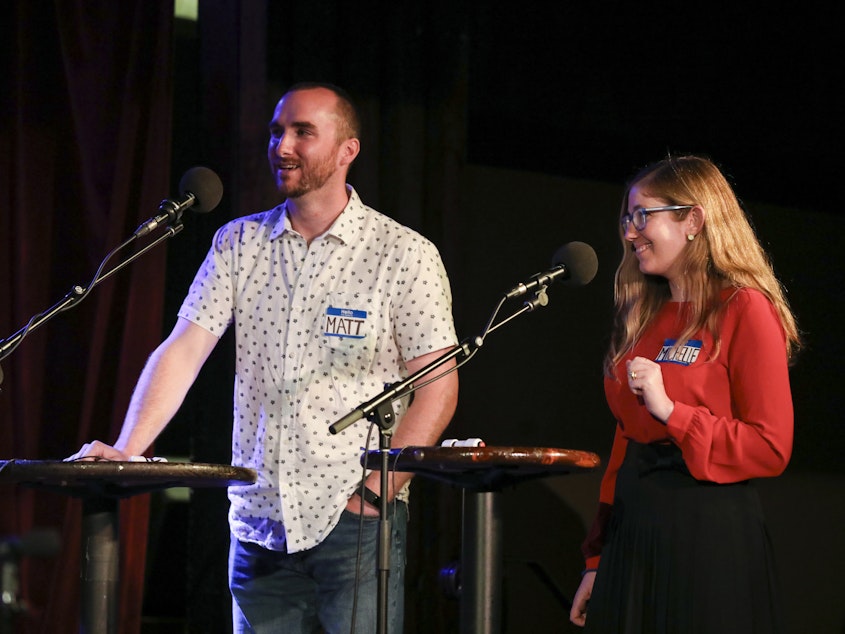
column 312, row 178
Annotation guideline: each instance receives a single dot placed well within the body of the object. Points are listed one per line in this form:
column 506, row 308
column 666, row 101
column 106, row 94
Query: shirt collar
column 345, row 227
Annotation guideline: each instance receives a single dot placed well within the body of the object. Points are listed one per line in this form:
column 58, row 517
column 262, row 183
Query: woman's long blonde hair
column 725, row 252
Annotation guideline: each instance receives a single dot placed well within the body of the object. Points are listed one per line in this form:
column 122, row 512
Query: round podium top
column 484, row 468
column 120, row 479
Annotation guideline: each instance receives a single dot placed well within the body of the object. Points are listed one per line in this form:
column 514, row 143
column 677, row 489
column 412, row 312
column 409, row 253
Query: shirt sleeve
column 210, row 300
column 592, row 545
column 756, row 439
column 422, row 312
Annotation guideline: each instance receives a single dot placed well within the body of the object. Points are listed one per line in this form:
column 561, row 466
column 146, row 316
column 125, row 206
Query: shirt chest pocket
column 348, row 327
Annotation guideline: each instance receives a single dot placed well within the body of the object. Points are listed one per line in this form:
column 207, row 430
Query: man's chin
column 290, row 192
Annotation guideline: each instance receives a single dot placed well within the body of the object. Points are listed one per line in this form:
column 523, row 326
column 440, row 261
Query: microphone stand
column 78, row 293
column 379, row 410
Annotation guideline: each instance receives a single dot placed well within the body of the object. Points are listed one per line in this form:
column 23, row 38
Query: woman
column 696, row 377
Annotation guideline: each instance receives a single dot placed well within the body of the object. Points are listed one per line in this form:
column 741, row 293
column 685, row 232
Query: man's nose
column 283, row 145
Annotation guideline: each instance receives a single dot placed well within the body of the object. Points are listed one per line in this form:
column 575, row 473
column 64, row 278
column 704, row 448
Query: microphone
column 200, row 189
column 574, row 264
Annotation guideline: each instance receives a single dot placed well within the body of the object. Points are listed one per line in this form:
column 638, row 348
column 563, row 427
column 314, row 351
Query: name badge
column 345, row 322
column 683, row 355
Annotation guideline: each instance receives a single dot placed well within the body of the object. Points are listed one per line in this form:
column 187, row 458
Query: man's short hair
column 351, row 123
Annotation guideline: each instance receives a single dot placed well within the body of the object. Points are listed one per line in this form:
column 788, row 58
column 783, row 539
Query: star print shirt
column 319, row 330
column 733, row 417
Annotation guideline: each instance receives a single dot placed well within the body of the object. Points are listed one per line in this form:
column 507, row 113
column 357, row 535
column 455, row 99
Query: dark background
column 501, row 132
column 591, row 90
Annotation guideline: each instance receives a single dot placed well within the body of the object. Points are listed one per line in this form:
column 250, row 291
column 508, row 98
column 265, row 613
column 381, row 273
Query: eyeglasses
column 640, row 216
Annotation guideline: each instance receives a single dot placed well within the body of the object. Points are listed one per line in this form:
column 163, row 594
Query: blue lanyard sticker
column 345, row 322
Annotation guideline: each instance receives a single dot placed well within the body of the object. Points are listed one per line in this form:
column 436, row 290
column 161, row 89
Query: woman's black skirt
column 683, row 556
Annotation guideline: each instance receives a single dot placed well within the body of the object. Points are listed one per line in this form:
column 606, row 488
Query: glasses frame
column 640, row 216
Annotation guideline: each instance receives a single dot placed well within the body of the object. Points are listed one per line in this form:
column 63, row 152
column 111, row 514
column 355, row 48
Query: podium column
column 99, row 565
column 481, row 563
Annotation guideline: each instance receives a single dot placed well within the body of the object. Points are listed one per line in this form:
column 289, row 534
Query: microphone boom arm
column 78, row 293
column 370, row 410
column 393, row 392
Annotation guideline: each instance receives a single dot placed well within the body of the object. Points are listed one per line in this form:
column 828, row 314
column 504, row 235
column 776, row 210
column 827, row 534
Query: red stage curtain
column 85, row 141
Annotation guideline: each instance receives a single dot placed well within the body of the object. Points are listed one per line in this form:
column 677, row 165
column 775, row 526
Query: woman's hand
column 578, row 613
column 645, row 379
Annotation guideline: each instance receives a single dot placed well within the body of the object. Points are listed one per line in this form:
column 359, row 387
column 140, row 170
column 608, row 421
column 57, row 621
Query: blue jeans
column 301, row 593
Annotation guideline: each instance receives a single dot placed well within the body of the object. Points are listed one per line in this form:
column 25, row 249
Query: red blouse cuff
column 679, row 421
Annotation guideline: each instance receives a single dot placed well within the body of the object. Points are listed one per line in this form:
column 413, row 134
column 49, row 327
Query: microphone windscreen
column 206, row 187
column 580, row 261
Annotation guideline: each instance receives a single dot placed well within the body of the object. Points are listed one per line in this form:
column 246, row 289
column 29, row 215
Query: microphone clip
column 540, row 299
column 170, row 212
column 537, row 281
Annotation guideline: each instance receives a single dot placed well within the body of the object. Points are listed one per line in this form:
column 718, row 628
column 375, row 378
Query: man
column 331, row 301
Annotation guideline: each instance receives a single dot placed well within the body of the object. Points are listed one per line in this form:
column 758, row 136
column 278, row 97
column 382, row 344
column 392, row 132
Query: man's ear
column 349, row 149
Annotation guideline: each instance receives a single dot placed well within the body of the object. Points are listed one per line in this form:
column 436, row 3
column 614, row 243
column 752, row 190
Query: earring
column 690, row 237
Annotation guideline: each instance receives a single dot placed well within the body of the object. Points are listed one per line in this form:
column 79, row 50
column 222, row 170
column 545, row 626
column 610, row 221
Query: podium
column 101, row 484
column 482, row 472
